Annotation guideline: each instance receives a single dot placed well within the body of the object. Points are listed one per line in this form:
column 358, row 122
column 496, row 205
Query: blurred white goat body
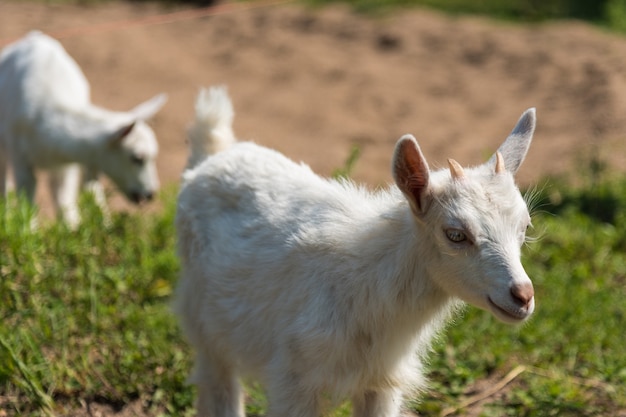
column 47, row 121
column 323, row 290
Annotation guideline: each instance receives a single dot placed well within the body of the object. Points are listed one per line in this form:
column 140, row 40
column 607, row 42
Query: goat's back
column 262, row 184
column 35, row 72
column 253, row 203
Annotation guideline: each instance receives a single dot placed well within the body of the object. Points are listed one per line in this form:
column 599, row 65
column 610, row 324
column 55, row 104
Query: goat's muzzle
column 523, row 294
column 139, row 197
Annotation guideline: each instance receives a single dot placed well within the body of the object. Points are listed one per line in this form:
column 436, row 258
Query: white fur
column 323, row 290
column 211, row 131
column 47, row 121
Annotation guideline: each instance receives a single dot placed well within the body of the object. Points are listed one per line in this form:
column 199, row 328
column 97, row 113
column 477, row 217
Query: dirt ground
column 314, row 83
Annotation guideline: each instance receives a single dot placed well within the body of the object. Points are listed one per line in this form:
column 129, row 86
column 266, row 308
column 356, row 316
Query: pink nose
column 523, row 293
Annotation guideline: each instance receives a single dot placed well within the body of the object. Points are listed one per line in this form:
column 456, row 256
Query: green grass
column 608, row 13
column 85, row 315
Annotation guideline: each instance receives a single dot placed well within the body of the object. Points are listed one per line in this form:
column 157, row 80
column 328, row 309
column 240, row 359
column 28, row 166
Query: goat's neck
column 405, row 291
column 400, row 306
column 78, row 135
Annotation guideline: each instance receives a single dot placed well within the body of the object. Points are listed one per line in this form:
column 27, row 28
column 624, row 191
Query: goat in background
column 47, row 121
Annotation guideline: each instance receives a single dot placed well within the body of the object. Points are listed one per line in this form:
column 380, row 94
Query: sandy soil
column 312, row 84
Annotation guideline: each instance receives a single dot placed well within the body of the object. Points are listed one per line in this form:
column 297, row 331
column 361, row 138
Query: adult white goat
column 325, row 291
column 47, row 121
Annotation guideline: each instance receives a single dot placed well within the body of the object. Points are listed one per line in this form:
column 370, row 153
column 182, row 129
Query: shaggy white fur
column 47, row 121
column 323, row 290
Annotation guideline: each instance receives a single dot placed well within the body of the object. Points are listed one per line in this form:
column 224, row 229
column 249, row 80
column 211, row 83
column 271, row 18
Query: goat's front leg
column 94, row 186
column 25, row 180
column 379, row 403
column 219, row 392
column 4, row 170
column 288, row 398
column 64, row 185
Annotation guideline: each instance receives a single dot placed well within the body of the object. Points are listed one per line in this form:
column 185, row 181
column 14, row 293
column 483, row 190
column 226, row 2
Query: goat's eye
column 136, row 159
column 455, row 235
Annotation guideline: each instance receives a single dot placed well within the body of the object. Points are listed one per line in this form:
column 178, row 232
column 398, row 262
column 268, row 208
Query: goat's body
column 47, row 121
column 297, row 234
column 325, row 291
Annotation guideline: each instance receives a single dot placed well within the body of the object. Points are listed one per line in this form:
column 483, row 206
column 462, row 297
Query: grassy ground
column 608, row 13
column 85, row 315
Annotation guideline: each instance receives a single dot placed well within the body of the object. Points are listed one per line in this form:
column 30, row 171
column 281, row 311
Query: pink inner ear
column 120, row 134
column 412, row 172
column 417, row 184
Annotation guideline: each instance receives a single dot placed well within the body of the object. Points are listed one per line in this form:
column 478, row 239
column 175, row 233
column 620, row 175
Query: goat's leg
column 92, row 185
column 4, row 170
column 379, row 403
column 64, row 186
column 219, row 392
column 287, row 398
column 25, row 180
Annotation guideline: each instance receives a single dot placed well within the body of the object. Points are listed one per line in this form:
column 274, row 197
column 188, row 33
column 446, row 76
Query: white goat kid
column 325, row 291
column 47, row 121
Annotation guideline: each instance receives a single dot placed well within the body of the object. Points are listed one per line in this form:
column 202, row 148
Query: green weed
column 609, row 13
column 85, row 315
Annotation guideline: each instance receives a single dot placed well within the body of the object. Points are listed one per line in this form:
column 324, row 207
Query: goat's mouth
column 509, row 316
column 138, row 198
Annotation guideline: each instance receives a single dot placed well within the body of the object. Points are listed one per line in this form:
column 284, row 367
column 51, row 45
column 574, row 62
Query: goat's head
column 474, row 221
column 131, row 150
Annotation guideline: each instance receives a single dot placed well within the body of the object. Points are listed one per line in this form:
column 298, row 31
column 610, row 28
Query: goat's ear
column 149, row 108
column 515, row 147
column 117, row 137
column 411, row 173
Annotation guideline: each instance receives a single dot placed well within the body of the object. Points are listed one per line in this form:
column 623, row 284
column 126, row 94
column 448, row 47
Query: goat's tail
column 212, row 129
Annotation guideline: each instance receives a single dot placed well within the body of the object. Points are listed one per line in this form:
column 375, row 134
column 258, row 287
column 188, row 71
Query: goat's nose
column 139, row 197
column 523, row 293
column 135, row 197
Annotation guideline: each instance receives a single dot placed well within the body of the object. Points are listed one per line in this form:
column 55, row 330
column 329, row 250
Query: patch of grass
column 513, row 9
column 348, row 166
column 609, row 13
column 85, row 315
